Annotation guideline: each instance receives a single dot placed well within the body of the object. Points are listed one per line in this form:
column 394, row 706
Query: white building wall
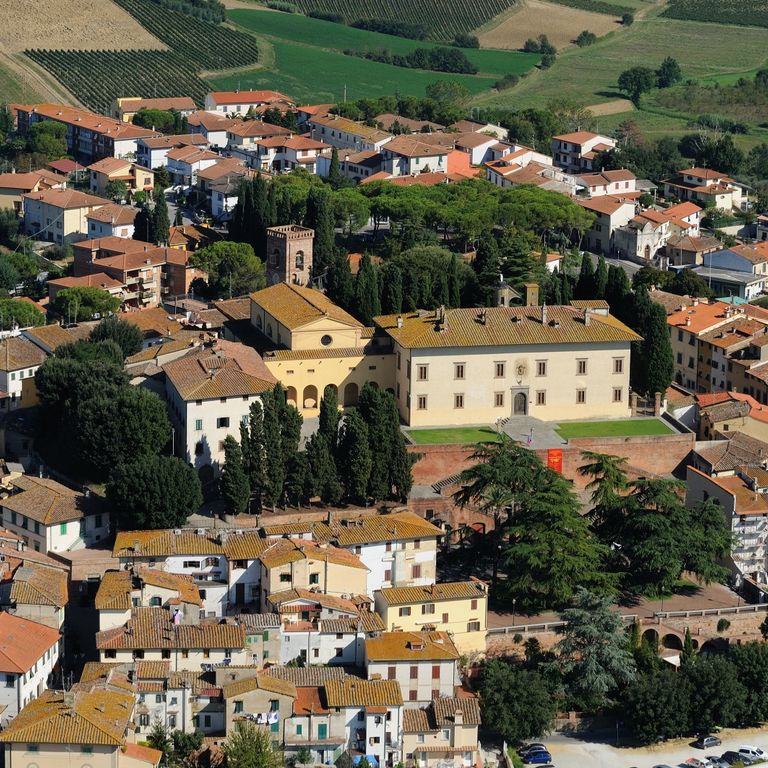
column 418, row 691
column 16, row 691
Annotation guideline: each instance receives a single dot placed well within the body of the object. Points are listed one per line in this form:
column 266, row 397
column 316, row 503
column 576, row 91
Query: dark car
column 705, row 742
column 527, row 749
column 537, row 758
column 732, row 758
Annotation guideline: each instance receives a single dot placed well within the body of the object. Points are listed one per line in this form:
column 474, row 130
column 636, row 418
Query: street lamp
column 514, row 602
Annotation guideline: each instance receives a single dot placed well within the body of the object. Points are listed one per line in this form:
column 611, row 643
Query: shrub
column 463, row 40
column 585, row 38
column 277, row 5
column 336, row 18
column 627, row 19
column 547, row 61
column 398, row 28
column 723, row 624
column 508, row 81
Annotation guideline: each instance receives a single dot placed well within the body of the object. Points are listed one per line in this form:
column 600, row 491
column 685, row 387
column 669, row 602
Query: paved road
column 572, row 752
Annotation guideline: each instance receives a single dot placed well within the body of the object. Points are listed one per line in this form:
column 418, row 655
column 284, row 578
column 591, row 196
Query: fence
column 547, row 626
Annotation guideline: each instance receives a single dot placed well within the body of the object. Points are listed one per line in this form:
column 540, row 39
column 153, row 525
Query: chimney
column 458, row 717
column 688, row 321
column 695, row 301
column 399, row 321
column 531, row 295
column 543, row 314
column 587, row 316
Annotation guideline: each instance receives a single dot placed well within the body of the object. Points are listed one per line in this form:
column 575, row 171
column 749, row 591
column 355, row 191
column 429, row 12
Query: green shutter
column 322, row 731
column 63, row 528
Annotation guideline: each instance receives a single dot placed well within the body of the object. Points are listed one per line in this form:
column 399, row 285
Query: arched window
column 299, row 259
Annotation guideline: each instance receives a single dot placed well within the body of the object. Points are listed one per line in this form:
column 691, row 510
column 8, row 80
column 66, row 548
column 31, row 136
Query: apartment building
column 409, row 155
column 610, row 213
column 29, row 653
column 50, row 517
column 19, row 360
column 126, row 107
column 136, row 177
column 422, row 663
column 708, row 187
column 59, row 215
column 712, row 342
column 721, row 413
column 152, row 152
column 574, row 152
column 240, row 102
column 184, row 163
column 243, row 135
column 260, row 698
column 209, row 394
column 551, row 363
column 620, row 182
column 743, row 498
column 13, row 186
column 156, row 634
column 459, row 608
column 343, row 133
column 90, row 137
column 281, row 154
column 442, row 734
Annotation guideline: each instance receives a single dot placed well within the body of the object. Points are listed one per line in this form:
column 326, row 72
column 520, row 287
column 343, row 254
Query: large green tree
column 250, row 746
column 515, row 702
column 127, row 335
column 233, row 269
column 593, row 655
column 353, row 457
column 20, row 313
column 636, row 81
column 84, row 303
column 657, row 705
column 160, row 219
column 154, row 492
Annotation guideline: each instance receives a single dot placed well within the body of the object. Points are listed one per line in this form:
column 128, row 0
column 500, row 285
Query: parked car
column 698, row 762
column 534, row 746
column 732, row 758
column 718, row 762
column 662, row 765
column 705, row 742
column 537, row 758
column 754, row 752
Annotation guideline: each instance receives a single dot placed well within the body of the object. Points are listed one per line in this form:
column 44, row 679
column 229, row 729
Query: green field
column 327, row 35
column 313, row 75
column 15, row 89
column 616, row 428
column 452, row 435
column 745, row 12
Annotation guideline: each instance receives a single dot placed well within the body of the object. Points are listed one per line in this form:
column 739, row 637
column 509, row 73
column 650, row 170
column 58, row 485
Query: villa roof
column 433, row 593
column 411, row 646
column 23, row 642
column 295, row 306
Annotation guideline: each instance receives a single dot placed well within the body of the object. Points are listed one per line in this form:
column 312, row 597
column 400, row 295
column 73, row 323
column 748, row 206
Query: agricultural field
column 328, row 35
column 332, row 73
column 444, row 18
column 598, row 6
column 83, row 24
column 751, row 13
column 535, row 17
column 97, row 77
column 15, row 87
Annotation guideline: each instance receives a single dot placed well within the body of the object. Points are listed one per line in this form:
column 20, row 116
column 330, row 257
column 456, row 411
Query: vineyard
column 748, row 13
column 97, row 78
column 443, row 18
column 598, row 6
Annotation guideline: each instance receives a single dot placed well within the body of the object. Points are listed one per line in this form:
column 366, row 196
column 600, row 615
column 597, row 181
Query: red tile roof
column 23, row 642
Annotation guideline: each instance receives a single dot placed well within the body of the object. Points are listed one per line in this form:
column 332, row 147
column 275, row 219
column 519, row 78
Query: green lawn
column 312, row 75
column 452, row 435
column 329, row 36
column 15, row 89
column 589, row 75
column 617, row 428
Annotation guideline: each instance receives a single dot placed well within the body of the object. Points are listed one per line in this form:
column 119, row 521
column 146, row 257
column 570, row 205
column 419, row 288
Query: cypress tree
column 253, row 456
column 290, row 421
column 144, row 225
column 618, row 292
column 487, row 266
column 553, row 289
column 391, row 280
column 601, row 278
column 373, row 411
column 235, row 488
column 329, row 418
column 160, row 220
column 260, row 215
column 298, row 480
column 339, row 283
column 354, row 457
column 367, row 304
column 283, row 208
column 515, row 252
column 274, row 465
column 657, row 351
column 400, row 478
column 566, row 288
column 271, row 217
column 688, row 654
column 454, row 289
column 325, row 481
column 585, row 286
column 440, row 293
column 320, row 218
column 335, row 179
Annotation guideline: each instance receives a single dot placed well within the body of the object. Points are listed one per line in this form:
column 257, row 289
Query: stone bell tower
column 289, row 254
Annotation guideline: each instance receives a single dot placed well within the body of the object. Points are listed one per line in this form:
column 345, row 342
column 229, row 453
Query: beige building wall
column 467, row 624
column 49, row 615
column 256, row 701
column 61, row 755
column 478, row 385
column 56, row 224
column 420, row 681
column 329, row 578
column 192, row 661
column 306, row 377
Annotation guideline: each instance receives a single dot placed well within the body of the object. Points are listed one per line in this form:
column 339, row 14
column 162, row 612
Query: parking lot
column 575, row 752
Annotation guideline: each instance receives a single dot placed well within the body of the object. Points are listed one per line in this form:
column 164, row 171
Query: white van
column 753, row 752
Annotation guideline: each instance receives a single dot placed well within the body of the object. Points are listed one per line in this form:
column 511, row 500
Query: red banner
column 555, row 459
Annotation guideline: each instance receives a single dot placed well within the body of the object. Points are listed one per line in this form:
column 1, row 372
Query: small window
column 314, row 578
column 326, row 340
column 63, row 528
column 413, row 673
column 498, row 399
column 391, row 673
column 500, row 369
column 581, row 396
column 458, row 371
column 473, row 626
column 223, row 422
column 421, row 403
column 404, row 611
column 581, row 367
column 541, row 367
column 416, row 572
column 617, row 396
column 427, row 609
column 473, row 605
column 285, row 577
column 458, row 400
column 198, row 425
column 541, row 398
column 422, row 372
column 238, row 706
column 618, row 365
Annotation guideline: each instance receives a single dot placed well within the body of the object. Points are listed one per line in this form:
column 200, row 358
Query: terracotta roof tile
column 503, row 326
column 353, row 692
column 152, row 670
column 16, row 352
column 286, row 551
column 433, row 593
column 39, row 585
column 114, row 214
column 49, row 502
column 410, row 646
column 259, row 682
column 142, row 754
column 23, row 642
column 66, row 198
column 166, row 542
column 307, row 676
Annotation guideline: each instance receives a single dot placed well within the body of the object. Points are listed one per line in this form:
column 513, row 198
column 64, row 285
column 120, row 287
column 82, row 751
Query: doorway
column 520, row 404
